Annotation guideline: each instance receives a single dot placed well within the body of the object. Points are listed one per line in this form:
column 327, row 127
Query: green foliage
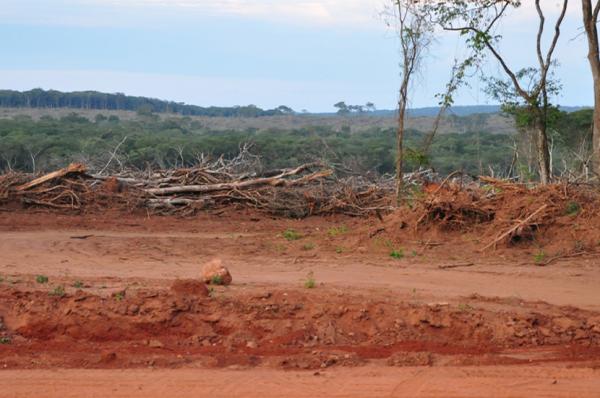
column 156, row 142
column 539, row 257
column 310, row 282
column 397, row 254
column 41, row 279
column 572, row 209
column 290, row 234
column 335, row 231
column 308, row 246
column 119, row 296
column 78, row 284
column 5, row 340
column 58, row 291
column 216, row 280
column 463, row 307
column 339, row 250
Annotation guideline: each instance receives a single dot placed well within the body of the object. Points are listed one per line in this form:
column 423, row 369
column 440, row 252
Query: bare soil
column 444, row 319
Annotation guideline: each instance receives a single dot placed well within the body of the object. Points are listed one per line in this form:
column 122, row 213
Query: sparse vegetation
column 463, row 307
column 397, row 254
column 310, row 282
column 41, row 279
column 58, row 291
column 78, row 284
column 216, row 280
column 339, row 250
column 308, row 246
column 572, row 208
column 5, row 340
column 539, row 257
column 290, row 234
column 335, row 231
column 212, row 292
column 119, row 296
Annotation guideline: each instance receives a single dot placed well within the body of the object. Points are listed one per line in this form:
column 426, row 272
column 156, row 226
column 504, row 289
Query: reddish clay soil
column 443, row 320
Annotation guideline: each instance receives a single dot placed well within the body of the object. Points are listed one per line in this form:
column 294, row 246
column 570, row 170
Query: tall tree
column 476, row 21
column 415, row 34
column 590, row 21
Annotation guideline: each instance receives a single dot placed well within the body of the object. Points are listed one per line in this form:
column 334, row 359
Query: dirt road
column 365, row 382
column 492, row 324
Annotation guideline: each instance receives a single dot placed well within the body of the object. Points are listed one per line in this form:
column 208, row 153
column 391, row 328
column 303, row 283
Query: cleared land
column 443, row 320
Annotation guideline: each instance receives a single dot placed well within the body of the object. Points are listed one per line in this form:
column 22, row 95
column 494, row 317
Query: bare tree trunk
column 399, row 147
column 543, row 153
column 590, row 19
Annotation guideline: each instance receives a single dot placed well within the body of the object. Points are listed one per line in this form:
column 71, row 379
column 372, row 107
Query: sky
column 307, row 54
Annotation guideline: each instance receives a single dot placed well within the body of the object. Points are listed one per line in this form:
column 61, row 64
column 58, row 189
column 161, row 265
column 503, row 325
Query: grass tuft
column 290, row 234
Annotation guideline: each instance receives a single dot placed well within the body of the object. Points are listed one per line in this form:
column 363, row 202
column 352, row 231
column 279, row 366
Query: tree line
column 38, row 98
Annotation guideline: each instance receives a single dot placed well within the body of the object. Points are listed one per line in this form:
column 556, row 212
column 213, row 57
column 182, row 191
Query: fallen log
column 276, row 181
column 72, row 168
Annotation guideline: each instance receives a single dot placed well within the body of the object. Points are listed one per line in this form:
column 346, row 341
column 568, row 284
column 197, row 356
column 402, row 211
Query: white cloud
column 355, row 13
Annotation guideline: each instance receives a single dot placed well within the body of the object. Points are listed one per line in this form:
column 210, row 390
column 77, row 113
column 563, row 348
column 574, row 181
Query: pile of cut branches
column 510, row 212
column 309, row 189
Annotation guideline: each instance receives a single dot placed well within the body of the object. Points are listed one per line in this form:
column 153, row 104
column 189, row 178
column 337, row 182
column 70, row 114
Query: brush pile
column 504, row 211
column 309, row 189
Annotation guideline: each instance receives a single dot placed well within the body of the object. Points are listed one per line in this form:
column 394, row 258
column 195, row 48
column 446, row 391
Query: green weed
column 290, row 234
column 335, row 231
column 58, row 291
column 572, row 209
column 397, row 254
column 308, row 246
column 310, row 282
column 216, row 280
column 539, row 257
column 78, row 284
column 5, row 340
column 41, row 279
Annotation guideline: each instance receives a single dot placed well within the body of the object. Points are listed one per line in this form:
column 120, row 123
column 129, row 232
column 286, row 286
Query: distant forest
column 152, row 141
column 38, row 98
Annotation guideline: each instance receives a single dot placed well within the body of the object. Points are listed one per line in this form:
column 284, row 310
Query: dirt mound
column 189, row 287
column 501, row 213
column 283, row 329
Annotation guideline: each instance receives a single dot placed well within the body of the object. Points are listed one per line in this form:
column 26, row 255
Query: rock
column 155, row 344
column 189, row 287
column 133, row 309
column 214, row 272
column 251, row 344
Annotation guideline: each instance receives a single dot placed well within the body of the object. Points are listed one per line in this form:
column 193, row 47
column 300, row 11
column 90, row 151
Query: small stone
column 155, row 344
column 251, row 345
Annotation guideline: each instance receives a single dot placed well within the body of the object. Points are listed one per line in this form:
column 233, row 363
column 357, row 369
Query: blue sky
column 307, row 54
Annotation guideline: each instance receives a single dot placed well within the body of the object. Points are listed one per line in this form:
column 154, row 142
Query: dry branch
column 72, row 168
column 515, row 228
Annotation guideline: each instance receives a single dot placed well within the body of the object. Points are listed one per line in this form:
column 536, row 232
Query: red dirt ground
column 373, row 325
